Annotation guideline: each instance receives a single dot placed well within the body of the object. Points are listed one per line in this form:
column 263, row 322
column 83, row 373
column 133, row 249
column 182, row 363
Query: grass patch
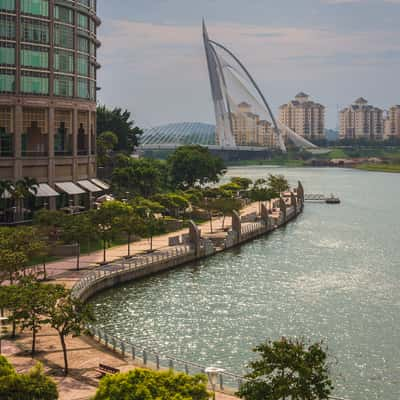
column 392, row 168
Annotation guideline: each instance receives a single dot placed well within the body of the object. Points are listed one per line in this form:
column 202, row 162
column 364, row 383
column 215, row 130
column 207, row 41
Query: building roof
column 302, row 94
column 183, row 133
column 361, row 100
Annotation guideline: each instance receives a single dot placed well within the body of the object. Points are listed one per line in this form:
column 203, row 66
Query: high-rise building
column 392, row 122
column 304, row 117
column 361, row 121
column 250, row 130
column 48, row 72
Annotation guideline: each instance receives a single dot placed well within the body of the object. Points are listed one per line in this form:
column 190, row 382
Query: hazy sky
column 153, row 60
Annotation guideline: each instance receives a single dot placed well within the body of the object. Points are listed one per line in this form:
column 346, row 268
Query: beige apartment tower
column 249, row 130
column 304, row 117
column 48, row 72
column 392, row 123
column 361, row 121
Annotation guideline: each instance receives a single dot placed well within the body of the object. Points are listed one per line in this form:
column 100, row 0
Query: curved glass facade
column 57, row 41
column 180, row 134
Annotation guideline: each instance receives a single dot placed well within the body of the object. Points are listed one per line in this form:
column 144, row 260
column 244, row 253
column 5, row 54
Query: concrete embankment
column 194, row 246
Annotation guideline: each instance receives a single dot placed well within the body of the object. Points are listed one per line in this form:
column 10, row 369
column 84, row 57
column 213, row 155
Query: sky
column 153, row 60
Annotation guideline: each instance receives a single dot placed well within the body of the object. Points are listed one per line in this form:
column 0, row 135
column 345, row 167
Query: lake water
column 332, row 275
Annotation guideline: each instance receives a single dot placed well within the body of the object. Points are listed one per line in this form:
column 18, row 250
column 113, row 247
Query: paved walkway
column 84, row 353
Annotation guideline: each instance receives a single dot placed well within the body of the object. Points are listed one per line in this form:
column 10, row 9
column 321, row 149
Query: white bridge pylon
column 232, row 85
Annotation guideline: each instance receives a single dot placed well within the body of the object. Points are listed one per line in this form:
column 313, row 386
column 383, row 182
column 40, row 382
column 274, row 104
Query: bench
column 107, row 370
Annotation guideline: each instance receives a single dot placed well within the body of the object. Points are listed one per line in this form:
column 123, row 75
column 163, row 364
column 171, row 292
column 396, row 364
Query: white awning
column 44, row 190
column 100, row 184
column 69, row 188
column 89, row 186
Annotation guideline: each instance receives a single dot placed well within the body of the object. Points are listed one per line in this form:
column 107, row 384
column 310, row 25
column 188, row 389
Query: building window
column 83, row 133
column 35, row 83
column 83, row 21
column 63, row 86
column 63, row 36
column 92, row 49
column 83, row 44
column 35, row 57
column 64, row 14
column 35, row 7
column 7, row 54
column 7, row 81
column 35, row 31
column 7, row 27
column 35, row 133
column 6, row 132
column 63, row 61
column 63, row 134
column 7, row 5
column 83, row 65
column 83, row 88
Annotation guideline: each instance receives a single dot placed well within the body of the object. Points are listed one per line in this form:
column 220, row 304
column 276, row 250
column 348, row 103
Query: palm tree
column 23, row 188
column 5, row 187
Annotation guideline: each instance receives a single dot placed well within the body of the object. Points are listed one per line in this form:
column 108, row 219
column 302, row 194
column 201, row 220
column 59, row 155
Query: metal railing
column 226, row 381
column 127, row 265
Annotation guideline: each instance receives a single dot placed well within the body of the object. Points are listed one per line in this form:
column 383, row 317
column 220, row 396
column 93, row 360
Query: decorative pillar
column 195, row 237
column 282, row 207
column 265, row 215
column 237, row 225
column 293, row 201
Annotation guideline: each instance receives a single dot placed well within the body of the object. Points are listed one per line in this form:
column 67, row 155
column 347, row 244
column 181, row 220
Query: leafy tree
column 288, row 369
column 173, row 203
column 261, row 192
column 21, row 190
column 194, row 164
column 244, row 183
column 226, row 206
column 106, row 144
column 144, row 206
column 131, row 224
column 34, row 385
column 68, row 316
column 142, row 177
column 152, row 226
column 34, row 302
column 278, row 183
column 50, row 223
column 76, row 229
column 105, row 221
column 120, row 122
column 142, row 384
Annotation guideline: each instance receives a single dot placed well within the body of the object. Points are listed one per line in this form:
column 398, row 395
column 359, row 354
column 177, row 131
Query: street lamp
column 213, row 373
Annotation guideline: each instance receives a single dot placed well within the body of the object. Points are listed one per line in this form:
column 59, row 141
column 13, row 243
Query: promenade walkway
column 84, row 353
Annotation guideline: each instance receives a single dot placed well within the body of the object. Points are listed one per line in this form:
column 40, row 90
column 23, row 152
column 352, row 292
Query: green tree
column 34, row 385
column 131, row 224
column 288, row 369
column 142, row 177
column 260, row 191
column 34, row 303
column 278, row 183
column 244, row 183
column 226, row 206
column 76, row 229
column 106, row 143
column 68, row 316
column 50, row 223
column 105, row 221
column 22, row 190
column 148, row 385
column 120, row 122
column 175, row 204
column 190, row 165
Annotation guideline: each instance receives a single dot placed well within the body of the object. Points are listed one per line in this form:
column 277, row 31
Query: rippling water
column 333, row 274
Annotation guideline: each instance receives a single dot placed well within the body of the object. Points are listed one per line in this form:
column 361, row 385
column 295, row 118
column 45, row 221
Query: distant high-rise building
column 392, row 122
column 249, row 130
column 304, row 117
column 361, row 121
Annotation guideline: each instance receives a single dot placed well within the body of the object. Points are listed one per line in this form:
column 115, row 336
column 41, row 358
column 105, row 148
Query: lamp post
column 213, row 373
